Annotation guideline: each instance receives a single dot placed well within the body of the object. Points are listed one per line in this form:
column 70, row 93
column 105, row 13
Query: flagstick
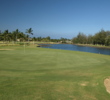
column 24, row 47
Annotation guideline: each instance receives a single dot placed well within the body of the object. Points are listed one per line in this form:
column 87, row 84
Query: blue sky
column 55, row 18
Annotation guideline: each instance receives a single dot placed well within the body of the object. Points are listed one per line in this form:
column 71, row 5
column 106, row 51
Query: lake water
column 78, row 48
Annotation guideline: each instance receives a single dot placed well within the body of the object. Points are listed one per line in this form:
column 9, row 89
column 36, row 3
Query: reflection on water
column 79, row 48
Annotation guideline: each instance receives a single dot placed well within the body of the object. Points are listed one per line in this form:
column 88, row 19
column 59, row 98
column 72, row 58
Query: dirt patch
column 84, row 83
column 107, row 84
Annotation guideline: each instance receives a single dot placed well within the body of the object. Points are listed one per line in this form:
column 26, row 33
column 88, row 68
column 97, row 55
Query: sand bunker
column 107, row 84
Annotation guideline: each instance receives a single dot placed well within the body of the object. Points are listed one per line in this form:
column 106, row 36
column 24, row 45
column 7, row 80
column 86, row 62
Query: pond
column 77, row 48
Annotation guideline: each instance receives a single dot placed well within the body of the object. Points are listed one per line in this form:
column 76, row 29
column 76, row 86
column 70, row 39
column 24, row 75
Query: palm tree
column 1, row 36
column 6, row 35
column 16, row 34
column 29, row 31
column 21, row 36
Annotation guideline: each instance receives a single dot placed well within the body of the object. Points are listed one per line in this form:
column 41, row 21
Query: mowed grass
column 47, row 74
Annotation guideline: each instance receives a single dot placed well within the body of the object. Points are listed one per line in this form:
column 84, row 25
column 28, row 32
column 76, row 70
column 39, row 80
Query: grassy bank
column 91, row 45
column 32, row 73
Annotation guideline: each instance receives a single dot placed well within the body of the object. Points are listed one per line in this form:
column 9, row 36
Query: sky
column 55, row 18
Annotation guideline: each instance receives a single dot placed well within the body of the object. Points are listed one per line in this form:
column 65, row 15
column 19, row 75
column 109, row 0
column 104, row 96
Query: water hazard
column 78, row 48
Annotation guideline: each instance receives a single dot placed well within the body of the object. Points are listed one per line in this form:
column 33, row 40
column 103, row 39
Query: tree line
column 48, row 39
column 16, row 36
column 101, row 38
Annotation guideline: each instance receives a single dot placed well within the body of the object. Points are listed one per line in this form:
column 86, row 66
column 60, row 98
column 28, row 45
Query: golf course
column 34, row 73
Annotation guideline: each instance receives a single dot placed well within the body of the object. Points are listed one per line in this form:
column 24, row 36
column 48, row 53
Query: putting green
column 48, row 74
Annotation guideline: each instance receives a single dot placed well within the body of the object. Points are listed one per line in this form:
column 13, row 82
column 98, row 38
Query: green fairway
column 33, row 73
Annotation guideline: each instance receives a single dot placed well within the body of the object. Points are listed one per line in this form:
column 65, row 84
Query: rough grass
column 47, row 74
